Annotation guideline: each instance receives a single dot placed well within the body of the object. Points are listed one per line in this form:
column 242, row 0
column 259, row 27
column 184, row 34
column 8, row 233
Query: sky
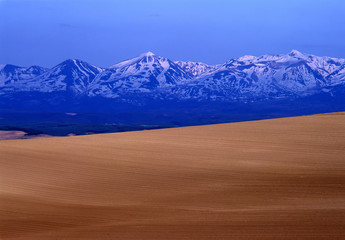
column 105, row 32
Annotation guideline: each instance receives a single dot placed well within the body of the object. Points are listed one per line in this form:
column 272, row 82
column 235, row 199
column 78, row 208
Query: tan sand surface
column 4, row 135
column 273, row 179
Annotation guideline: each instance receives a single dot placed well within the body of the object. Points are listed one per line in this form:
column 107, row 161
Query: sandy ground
column 7, row 135
column 272, row 179
column 4, row 135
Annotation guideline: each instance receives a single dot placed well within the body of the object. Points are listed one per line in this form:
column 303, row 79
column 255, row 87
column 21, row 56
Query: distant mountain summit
column 149, row 76
column 11, row 74
column 141, row 74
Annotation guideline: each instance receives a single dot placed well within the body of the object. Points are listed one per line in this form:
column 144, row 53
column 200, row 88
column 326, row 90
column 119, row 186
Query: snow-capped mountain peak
column 71, row 75
column 295, row 53
column 78, row 64
column 283, row 75
column 148, row 54
column 247, row 58
column 140, row 74
column 11, row 74
column 143, row 63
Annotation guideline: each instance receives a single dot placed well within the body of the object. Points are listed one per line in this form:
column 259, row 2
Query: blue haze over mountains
column 151, row 91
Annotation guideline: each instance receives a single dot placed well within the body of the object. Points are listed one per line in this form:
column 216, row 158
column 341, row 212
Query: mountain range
column 150, row 91
column 149, row 76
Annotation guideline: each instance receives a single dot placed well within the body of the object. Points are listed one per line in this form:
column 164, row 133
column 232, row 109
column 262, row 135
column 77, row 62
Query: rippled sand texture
column 272, row 179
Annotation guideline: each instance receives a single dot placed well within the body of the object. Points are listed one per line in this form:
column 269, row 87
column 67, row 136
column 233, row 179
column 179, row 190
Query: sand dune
column 271, row 179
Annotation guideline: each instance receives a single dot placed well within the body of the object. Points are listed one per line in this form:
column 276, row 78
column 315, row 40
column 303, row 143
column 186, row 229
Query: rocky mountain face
column 11, row 75
column 244, row 79
column 293, row 74
column 196, row 68
column 143, row 74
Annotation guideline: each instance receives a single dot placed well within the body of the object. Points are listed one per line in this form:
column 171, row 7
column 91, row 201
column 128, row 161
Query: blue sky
column 104, row 32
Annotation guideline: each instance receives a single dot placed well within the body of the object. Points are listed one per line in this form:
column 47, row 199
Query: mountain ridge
column 151, row 76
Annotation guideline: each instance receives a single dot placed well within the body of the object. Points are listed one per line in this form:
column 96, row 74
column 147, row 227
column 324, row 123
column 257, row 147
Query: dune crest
column 270, row 179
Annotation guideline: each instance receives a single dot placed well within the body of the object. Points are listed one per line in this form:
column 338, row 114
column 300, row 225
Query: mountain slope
column 149, row 76
column 71, row 75
column 141, row 74
column 196, row 68
column 11, row 74
column 266, row 76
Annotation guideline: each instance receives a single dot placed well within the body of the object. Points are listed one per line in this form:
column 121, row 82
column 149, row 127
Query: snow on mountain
column 246, row 58
column 247, row 77
column 196, row 68
column 296, row 54
column 141, row 74
column 294, row 73
column 71, row 75
column 10, row 74
column 337, row 77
